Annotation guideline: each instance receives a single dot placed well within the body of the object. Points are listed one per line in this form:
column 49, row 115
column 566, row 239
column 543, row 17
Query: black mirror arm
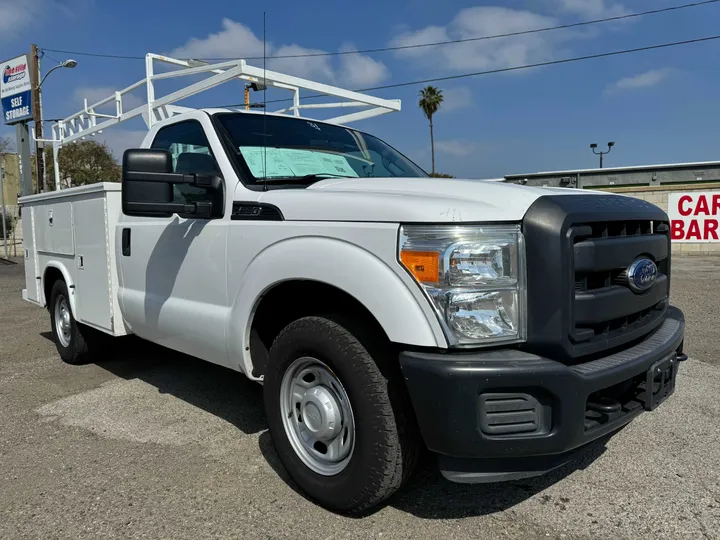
column 199, row 180
column 201, row 209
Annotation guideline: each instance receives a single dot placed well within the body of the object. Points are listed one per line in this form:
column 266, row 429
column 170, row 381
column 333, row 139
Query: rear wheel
column 338, row 416
column 71, row 339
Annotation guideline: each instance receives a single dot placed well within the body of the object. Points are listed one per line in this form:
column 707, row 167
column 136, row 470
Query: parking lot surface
column 151, row 444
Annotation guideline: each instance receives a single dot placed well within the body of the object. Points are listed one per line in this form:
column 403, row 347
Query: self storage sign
column 695, row 216
column 16, row 90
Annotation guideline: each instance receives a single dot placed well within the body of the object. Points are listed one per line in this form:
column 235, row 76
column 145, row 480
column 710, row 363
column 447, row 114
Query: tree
column 86, row 162
column 442, row 175
column 430, row 100
column 6, row 145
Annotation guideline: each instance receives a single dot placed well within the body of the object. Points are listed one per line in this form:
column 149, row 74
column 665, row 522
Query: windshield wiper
column 307, row 177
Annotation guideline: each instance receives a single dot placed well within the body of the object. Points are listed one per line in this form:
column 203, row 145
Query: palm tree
column 430, row 100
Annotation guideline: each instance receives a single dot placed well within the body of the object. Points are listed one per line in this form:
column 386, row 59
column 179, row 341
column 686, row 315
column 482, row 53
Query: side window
column 191, row 153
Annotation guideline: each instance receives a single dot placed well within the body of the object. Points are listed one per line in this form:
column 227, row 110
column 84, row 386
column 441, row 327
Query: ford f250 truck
column 501, row 327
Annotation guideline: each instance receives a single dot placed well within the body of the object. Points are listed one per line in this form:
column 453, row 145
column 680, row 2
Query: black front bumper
column 462, row 400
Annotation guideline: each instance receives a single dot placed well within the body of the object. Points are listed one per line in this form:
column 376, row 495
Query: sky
column 658, row 106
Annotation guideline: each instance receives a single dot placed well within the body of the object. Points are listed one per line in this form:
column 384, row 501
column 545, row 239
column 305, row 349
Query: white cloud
column 308, row 67
column 97, row 93
column 486, row 54
column 358, row 70
column 642, row 80
column 16, row 15
column 119, row 140
column 593, row 9
column 456, row 147
column 235, row 40
column 456, row 98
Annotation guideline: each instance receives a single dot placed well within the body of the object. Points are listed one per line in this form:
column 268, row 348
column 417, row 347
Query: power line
column 549, row 63
column 433, row 44
column 96, row 55
column 495, row 36
column 512, row 68
column 50, row 57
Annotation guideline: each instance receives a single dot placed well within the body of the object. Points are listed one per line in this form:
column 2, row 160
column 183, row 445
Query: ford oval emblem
column 641, row 275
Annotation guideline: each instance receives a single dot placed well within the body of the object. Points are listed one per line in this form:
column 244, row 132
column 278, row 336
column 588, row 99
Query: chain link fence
column 10, row 231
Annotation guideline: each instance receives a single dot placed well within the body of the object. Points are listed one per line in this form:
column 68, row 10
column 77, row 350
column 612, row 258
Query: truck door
column 173, row 269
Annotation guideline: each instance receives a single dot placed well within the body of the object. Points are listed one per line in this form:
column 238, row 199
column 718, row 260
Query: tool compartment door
column 32, row 283
column 92, row 260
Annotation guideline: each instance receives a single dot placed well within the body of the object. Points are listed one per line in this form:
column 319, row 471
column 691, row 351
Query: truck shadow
column 222, row 392
column 428, row 495
column 232, row 397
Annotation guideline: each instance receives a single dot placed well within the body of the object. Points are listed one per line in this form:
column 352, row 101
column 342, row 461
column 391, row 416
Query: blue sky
column 659, row 106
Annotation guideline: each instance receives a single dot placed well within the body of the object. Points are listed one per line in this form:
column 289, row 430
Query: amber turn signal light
column 424, row 265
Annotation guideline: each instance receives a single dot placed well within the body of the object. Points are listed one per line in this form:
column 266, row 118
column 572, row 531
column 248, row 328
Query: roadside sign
column 694, row 216
column 16, row 90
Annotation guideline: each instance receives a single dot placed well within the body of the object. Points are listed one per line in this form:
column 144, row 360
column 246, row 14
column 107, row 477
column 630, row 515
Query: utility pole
column 37, row 115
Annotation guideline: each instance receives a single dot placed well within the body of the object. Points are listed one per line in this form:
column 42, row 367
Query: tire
column 73, row 341
column 386, row 443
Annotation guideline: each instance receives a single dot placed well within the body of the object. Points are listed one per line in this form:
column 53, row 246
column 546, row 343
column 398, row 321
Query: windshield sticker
column 282, row 162
column 336, row 164
column 302, row 162
column 276, row 164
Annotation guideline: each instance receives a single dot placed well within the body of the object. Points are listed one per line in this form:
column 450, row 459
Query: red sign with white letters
column 694, row 216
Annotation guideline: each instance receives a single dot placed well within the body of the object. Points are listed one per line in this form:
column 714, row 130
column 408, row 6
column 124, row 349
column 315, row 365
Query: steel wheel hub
column 62, row 321
column 317, row 416
column 321, row 413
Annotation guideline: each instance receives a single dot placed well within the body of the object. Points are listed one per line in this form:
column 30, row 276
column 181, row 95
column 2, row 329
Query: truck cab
column 501, row 327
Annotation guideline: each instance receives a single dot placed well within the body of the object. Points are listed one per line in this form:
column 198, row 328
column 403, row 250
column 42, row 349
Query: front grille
column 602, row 278
column 579, row 248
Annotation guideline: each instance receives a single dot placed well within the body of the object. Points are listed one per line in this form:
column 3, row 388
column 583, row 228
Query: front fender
column 404, row 317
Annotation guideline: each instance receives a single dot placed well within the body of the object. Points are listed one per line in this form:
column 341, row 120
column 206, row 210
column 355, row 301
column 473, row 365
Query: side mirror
column 147, row 185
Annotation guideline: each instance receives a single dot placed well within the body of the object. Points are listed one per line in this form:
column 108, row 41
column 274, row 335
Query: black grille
column 507, row 414
column 578, row 250
column 605, row 280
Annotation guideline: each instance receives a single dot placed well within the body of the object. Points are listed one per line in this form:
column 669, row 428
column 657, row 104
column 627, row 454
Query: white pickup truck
column 502, row 327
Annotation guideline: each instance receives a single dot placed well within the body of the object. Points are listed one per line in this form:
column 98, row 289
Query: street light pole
column 593, row 146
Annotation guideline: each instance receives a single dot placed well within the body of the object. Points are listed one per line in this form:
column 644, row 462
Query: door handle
column 126, row 242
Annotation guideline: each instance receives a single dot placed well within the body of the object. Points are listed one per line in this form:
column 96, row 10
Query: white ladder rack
column 89, row 122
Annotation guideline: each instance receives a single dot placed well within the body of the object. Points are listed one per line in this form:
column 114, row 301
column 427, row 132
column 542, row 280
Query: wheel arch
column 353, row 274
column 53, row 271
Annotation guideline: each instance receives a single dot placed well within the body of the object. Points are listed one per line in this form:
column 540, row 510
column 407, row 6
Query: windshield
column 299, row 150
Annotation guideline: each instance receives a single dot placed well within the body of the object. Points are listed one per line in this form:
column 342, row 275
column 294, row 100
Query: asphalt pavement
column 147, row 443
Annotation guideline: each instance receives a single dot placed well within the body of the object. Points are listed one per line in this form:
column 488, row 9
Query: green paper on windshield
column 255, row 159
column 335, row 164
column 284, row 162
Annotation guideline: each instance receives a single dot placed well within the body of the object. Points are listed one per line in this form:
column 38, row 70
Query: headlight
column 474, row 277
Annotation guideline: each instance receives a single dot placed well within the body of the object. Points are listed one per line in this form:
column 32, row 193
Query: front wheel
column 70, row 339
column 339, row 419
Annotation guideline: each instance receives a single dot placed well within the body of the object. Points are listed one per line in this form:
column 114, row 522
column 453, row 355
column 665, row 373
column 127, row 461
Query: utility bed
column 73, row 232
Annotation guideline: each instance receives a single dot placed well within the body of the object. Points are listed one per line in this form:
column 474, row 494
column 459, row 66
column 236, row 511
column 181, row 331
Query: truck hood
column 409, row 200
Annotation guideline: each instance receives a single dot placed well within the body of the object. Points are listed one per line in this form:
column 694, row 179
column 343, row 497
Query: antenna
column 264, row 106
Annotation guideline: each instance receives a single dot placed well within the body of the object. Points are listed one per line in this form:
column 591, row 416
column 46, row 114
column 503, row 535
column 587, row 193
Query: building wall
column 11, row 183
column 658, row 195
column 636, row 177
